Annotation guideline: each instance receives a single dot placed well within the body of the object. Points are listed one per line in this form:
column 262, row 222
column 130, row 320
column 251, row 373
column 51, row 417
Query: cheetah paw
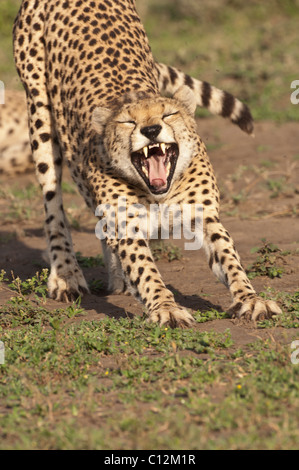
column 171, row 315
column 254, row 309
column 118, row 286
column 67, row 288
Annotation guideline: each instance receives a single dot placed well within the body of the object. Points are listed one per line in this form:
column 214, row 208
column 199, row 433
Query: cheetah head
column 151, row 141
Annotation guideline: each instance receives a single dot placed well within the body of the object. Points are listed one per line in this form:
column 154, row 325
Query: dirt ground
column 259, row 183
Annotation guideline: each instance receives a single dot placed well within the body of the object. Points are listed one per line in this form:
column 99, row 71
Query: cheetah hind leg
column 116, row 278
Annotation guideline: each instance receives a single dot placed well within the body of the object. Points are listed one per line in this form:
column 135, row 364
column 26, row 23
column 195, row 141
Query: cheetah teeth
column 162, row 146
column 145, row 170
column 145, row 151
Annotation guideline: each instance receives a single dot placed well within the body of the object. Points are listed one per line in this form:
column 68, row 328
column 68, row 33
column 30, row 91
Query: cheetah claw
column 254, row 309
column 171, row 315
column 67, row 289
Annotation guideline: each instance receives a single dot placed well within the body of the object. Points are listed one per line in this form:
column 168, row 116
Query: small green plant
column 209, row 315
column 275, row 186
column 74, row 223
column 37, row 284
column 68, row 188
column 3, row 277
column 72, row 310
column 161, row 250
column 268, row 164
column 263, row 148
column 266, row 262
column 89, row 261
column 240, row 197
column 96, row 285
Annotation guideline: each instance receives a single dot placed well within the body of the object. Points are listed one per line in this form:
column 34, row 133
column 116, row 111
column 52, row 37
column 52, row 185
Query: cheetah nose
column 151, row 132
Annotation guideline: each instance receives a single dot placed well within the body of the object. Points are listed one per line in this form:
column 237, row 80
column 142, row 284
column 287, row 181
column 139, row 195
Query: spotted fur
column 94, row 100
column 15, row 151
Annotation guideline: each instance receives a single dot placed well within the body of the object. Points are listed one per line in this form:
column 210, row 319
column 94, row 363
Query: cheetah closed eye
column 94, row 101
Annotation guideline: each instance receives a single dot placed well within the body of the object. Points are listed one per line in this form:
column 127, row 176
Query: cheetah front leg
column 144, row 281
column 66, row 281
column 226, row 265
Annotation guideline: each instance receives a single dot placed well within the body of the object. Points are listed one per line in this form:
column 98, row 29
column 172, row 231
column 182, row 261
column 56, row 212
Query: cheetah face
column 149, row 142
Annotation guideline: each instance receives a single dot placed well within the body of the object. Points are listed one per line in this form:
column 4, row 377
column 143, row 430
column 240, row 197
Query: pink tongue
column 157, row 171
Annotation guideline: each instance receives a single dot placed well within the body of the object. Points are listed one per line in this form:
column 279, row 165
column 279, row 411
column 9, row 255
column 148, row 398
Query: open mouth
column 156, row 164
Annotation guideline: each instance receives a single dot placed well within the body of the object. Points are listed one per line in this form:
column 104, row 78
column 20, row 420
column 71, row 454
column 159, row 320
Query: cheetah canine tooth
column 163, row 147
column 145, row 151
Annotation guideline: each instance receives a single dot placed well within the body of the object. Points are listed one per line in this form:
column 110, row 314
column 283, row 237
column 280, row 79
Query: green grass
column 17, row 207
column 8, row 12
column 216, row 42
column 89, row 261
column 68, row 383
column 290, row 307
column 117, row 383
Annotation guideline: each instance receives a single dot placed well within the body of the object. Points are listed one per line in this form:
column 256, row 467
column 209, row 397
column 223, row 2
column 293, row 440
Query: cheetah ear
column 99, row 118
column 186, row 96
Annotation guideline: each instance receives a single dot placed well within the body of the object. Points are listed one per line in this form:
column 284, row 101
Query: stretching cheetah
column 94, row 101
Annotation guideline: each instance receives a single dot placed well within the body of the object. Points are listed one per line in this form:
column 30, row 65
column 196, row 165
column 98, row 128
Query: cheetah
column 94, row 100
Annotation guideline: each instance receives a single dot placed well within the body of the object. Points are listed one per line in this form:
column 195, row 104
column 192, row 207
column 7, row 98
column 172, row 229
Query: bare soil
column 253, row 207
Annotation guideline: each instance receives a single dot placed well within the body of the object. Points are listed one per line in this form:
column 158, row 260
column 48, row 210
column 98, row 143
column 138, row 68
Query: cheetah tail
column 217, row 101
